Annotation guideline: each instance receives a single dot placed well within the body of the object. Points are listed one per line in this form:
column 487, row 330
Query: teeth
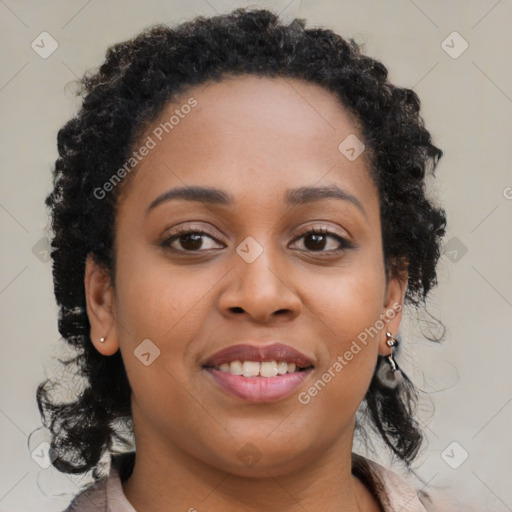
column 235, row 368
column 282, row 367
column 269, row 369
column 250, row 368
column 255, row 368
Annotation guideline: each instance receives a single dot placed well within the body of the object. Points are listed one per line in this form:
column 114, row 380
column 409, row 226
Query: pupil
column 318, row 242
column 196, row 241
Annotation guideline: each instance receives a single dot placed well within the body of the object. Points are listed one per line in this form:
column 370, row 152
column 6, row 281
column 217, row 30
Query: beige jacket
column 106, row 495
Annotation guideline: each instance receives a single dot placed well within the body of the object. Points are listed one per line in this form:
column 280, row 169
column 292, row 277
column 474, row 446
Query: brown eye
column 189, row 241
column 317, row 240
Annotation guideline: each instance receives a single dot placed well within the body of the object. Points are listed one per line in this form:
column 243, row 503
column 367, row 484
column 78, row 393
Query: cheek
column 156, row 300
column 168, row 305
column 346, row 309
column 347, row 299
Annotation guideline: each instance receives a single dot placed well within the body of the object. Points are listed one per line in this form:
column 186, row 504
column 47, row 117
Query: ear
column 99, row 296
column 392, row 310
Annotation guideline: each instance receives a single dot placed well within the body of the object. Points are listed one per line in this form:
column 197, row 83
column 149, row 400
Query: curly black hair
column 120, row 101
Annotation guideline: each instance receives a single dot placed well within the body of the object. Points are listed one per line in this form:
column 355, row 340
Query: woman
column 239, row 217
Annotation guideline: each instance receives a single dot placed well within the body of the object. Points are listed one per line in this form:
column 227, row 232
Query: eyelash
column 344, row 244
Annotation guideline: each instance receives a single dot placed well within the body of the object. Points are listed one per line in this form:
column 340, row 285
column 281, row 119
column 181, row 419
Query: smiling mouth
column 265, row 369
column 255, row 387
column 258, row 373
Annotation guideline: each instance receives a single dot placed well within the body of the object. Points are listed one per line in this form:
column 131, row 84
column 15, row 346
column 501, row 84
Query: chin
column 263, row 459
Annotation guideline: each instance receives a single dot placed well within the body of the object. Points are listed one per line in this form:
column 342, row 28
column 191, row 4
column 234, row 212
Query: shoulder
column 91, row 499
column 106, row 494
column 392, row 491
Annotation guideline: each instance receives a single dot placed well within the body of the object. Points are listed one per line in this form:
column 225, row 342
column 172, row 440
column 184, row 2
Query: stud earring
column 102, row 340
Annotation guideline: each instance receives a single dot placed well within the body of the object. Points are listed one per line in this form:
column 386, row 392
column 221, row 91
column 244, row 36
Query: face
column 266, row 264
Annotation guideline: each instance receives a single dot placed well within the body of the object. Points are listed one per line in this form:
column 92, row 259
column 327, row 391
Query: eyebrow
column 293, row 197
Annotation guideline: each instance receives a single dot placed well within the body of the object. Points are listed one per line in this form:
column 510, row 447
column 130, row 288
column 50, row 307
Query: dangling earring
column 391, row 342
column 389, row 374
column 102, row 340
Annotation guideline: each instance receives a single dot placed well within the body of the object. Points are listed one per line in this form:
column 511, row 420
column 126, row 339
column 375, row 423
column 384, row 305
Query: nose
column 261, row 289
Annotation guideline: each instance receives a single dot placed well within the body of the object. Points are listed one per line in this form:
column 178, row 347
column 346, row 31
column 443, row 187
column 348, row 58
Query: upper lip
column 246, row 352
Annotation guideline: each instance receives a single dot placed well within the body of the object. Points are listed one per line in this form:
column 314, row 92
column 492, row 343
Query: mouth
column 259, row 373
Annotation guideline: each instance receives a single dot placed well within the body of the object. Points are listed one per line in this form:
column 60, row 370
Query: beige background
column 467, row 103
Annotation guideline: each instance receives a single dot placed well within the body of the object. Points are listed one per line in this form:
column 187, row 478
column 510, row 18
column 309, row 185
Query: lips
column 246, row 352
column 251, row 387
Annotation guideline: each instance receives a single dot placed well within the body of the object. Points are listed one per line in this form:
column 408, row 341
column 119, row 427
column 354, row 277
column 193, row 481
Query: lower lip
column 259, row 389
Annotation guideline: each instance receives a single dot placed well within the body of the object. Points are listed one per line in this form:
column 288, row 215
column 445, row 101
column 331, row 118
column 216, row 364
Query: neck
column 171, row 479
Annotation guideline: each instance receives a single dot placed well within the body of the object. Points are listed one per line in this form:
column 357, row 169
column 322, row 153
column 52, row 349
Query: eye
column 191, row 240
column 316, row 240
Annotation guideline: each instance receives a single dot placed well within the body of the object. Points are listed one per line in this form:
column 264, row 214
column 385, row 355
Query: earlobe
column 392, row 311
column 99, row 296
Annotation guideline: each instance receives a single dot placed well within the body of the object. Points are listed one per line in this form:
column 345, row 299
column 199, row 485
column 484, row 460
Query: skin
column 254, row 138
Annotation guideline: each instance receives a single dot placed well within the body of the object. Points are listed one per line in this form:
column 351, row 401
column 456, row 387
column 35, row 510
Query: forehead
column 255, row 136
column 252, row 109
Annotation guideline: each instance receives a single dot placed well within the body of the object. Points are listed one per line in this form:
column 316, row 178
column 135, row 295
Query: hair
column 120, row 101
